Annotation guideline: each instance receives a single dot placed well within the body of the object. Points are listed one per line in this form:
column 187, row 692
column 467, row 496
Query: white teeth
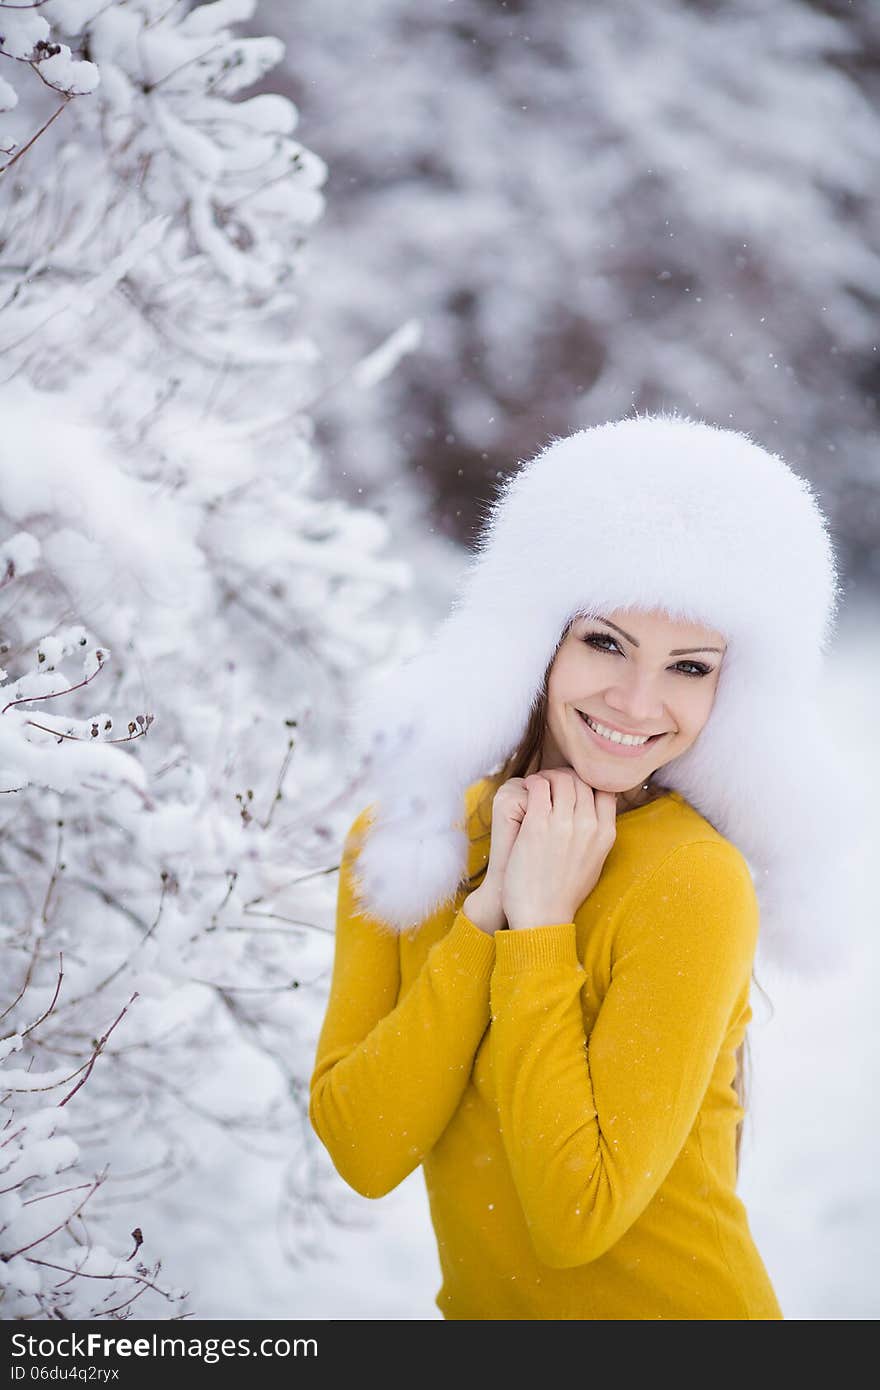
column 631, row 740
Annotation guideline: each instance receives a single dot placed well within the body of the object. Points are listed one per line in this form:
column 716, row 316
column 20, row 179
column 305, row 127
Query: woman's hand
column 483, row 905
column 565, row 837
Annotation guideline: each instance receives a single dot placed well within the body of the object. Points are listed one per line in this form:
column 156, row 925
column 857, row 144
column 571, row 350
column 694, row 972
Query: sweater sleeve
column 591, row 1127
column 389, row 1072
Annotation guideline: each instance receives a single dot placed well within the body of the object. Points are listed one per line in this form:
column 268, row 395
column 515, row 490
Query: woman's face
column 633, row 671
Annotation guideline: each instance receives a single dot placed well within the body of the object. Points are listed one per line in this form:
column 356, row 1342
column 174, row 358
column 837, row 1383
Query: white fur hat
column 651, row 511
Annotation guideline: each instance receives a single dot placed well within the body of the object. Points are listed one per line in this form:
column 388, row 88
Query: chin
column 623, row 784
column 599, row 780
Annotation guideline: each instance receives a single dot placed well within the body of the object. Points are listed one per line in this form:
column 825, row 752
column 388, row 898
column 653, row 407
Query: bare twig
column 27, row 980
column 290, row 883
column 29, row 1201
column 30, row 1028
column 232, row 876
column 77, row 738
column 291, row 743
column 148, row 932
column 53, row 694
column 61, row 1224
column 53, row 879
column 9, row 163
column 83, row 1274
column 99, row 1047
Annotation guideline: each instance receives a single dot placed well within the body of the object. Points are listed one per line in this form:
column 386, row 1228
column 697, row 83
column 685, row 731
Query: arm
column 592, row 1128
column 389, row 1075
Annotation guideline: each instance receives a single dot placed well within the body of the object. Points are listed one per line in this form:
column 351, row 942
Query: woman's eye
column 594, row 639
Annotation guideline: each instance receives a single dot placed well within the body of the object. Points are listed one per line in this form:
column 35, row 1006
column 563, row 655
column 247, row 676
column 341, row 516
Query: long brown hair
column 526, row 758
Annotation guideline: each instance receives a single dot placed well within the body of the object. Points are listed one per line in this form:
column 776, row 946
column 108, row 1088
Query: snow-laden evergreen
column 187, row 610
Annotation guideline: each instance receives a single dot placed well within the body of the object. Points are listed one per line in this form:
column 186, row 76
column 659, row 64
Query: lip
column 619, row 750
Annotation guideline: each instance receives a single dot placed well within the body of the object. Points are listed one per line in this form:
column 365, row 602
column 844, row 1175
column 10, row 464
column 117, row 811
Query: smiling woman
column 548, row 913
column 570, row 675
column 620, row 704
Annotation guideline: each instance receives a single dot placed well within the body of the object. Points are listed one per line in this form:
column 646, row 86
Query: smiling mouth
column 617, row 743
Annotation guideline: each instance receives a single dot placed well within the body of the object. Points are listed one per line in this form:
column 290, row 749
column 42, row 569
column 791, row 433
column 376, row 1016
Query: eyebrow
column 676, row 651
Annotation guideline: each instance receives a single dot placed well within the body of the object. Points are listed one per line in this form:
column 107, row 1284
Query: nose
column 636, row 698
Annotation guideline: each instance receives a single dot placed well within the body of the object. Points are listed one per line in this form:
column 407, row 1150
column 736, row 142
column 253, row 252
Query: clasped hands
column 551, row 835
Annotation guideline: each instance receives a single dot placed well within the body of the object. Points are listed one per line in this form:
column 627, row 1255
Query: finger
column 538, row 792
column 583, row 790
column 585, row 803
column 562, row 788
column 513, row 805
column 606, row 811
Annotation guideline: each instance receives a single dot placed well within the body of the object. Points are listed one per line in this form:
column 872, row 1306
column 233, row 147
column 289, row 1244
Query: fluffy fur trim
column 649, row 511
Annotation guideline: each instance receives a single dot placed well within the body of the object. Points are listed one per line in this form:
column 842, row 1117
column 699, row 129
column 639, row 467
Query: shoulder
column 673, row 833
column 477, row 822
column 691, row 882
column 711, row 864
column 478, row 799
column 698, row 903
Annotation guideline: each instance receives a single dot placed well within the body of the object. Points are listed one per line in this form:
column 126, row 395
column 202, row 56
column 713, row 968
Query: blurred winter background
column 284, row 289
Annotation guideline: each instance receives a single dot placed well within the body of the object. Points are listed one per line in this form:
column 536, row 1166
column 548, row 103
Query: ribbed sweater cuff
column 472, row 950
column 528, row 947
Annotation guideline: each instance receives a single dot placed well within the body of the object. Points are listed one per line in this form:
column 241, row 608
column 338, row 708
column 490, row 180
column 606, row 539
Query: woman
column 545, row 935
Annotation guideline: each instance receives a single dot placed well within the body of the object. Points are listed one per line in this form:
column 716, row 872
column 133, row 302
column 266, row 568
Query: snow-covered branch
column 188, row 609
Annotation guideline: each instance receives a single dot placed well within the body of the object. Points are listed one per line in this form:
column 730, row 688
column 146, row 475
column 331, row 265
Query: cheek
column 695, row 711
column 560, row 689
column 573, row 678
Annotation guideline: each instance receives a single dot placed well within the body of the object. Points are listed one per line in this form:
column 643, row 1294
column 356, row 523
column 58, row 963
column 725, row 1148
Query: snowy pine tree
column 188, row 610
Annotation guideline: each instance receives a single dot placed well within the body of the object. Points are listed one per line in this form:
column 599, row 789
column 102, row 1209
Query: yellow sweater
column 567, row 1088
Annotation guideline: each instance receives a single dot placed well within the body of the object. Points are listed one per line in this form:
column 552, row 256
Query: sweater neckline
column 658, row 801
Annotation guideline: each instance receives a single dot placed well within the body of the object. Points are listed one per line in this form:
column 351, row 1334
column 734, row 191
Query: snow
column 189, row 144
column 207, row 19
column 21, row 552
column 591, row 206
column 69, row 74
column 24, row 31
column 379, row 364
column 213, row 477
column 9, row 1044
column 8, row 96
